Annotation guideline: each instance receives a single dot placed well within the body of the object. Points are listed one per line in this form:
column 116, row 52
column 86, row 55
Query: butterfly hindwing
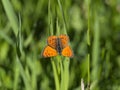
column 49, row 52
column 67, row 51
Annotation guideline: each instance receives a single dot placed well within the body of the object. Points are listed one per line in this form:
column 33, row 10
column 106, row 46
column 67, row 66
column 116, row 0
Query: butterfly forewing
column 49, row 52
column 52, row 41
column 64, row 39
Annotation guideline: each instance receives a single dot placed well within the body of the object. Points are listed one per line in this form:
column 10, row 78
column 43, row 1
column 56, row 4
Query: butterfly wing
column 67, row 51
column 49, row 52
column 64, row 39
column 52, row 41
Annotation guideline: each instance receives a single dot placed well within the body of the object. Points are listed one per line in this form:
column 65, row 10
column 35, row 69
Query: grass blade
column 11, row 15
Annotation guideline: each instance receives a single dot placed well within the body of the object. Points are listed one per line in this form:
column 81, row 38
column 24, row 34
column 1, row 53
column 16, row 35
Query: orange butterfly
column 57, row 45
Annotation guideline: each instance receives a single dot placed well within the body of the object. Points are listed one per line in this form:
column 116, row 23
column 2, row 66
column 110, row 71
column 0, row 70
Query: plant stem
column 56, row 79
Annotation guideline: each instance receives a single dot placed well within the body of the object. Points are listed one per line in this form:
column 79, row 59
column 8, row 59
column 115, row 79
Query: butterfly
column 57, row 45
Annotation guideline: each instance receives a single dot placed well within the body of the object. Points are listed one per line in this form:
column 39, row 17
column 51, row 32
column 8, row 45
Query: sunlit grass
column 60, row 64
column 93, row 29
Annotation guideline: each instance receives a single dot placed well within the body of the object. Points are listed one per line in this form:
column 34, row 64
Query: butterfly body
column 57, row 45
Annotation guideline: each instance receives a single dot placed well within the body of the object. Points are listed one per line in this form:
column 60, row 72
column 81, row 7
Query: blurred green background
column 21, row 64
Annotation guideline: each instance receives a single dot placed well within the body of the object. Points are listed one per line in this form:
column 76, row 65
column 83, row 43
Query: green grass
column 60, row 65
column 94, row 31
